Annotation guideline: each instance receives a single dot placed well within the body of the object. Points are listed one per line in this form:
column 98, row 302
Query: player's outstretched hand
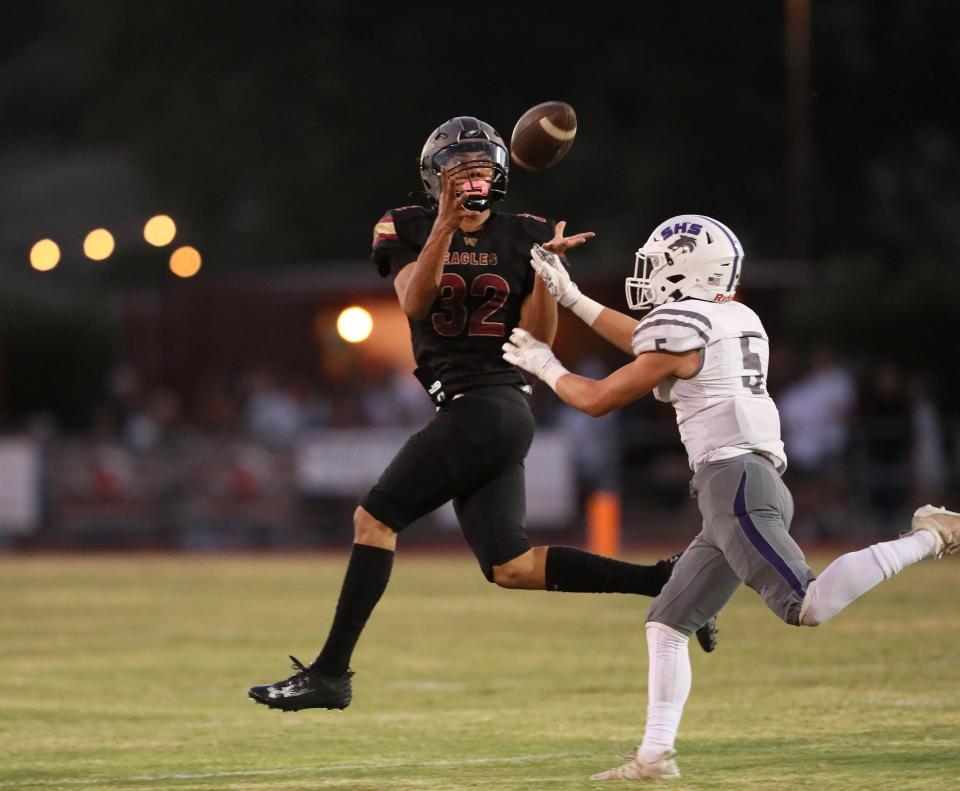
column 526, row 352
column 559, row 244
column 554, row 275
column 450, row 211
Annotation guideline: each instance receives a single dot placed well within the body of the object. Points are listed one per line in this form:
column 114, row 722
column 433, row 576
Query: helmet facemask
column 652, row 280
column 481, row 159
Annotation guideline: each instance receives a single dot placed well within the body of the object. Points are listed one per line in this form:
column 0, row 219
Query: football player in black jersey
column 461, row 274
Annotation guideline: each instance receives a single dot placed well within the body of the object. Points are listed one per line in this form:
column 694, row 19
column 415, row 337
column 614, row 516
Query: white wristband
column 551, row 372
column 586, row 309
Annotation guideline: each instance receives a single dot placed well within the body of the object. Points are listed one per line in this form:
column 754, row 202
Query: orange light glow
column 355, row 324
column 185, row 262
column 159, row 230
column 98, row 245
column 44, row 255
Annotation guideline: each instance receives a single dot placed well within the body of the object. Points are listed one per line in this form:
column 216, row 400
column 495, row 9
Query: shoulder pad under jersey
column 403, row 230
column 671, row 328
column 538, row 229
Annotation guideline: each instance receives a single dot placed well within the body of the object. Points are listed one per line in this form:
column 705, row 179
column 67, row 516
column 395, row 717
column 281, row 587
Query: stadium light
column 159, row 230
column 185, row 261
column 354, row 324
column 98, row 245
column 44, row 255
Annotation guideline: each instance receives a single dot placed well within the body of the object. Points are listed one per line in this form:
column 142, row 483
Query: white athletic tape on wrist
column 551, row 372
column 586, row 309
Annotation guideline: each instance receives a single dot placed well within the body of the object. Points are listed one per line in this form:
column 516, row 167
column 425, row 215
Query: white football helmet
column 686, row 256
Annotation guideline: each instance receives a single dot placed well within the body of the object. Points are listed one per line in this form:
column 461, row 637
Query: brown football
column 543, row 135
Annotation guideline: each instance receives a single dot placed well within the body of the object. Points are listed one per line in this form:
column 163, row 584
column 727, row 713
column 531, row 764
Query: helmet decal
column 684, row 244
column 736, row 246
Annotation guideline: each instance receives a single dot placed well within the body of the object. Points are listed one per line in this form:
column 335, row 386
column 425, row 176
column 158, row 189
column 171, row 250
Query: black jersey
column 486, row 277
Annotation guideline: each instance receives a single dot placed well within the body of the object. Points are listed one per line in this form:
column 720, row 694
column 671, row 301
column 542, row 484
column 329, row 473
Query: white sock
column 895, row 556
column 853, row 574
column 668, row 685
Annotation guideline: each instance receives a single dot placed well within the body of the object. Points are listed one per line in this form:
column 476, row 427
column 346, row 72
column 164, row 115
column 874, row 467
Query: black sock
column 364, row 583
column 575, row 571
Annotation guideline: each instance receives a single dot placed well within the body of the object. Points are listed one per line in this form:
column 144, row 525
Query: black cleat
column 306, row 689
column 706, row 634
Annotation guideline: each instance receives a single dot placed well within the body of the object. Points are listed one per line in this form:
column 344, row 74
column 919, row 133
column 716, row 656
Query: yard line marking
column 83, row 781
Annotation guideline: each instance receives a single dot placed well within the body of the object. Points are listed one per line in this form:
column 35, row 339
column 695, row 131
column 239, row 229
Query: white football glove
column 526, row 352
column 554, row 276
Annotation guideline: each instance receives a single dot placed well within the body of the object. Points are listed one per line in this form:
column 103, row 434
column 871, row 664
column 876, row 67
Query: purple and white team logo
column 683, row 244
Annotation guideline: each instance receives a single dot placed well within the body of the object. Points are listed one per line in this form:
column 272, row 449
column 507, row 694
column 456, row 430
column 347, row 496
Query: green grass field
column 131, row 673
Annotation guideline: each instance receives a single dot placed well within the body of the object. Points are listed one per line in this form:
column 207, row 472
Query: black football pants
column 472, row 452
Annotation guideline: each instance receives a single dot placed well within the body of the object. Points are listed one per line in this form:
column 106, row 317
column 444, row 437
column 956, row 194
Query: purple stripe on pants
column 759, row 542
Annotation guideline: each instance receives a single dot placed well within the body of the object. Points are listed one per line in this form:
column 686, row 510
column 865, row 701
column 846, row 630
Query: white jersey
column 724, row 409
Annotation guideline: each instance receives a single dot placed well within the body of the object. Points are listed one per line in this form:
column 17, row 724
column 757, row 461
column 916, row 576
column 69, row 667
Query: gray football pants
column 746, row 511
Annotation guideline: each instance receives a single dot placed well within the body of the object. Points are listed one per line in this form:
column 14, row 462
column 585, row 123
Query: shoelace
column 300, row 675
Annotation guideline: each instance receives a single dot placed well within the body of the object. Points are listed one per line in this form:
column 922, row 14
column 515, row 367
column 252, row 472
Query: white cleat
column 944, row 524
column 638, row 769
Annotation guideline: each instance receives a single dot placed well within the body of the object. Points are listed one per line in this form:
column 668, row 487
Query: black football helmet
column 465, row 135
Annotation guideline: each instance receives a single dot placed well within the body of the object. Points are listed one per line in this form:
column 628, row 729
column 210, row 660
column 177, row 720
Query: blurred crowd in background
column 218, row 467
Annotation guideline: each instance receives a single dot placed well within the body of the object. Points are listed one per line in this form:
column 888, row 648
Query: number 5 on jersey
column 452, row 317
column 752, row 362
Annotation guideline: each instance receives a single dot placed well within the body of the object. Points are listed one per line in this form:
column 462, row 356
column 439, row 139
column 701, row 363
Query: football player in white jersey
column 708, row 355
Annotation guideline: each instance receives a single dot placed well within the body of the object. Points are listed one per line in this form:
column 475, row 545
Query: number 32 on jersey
column 453, row 317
